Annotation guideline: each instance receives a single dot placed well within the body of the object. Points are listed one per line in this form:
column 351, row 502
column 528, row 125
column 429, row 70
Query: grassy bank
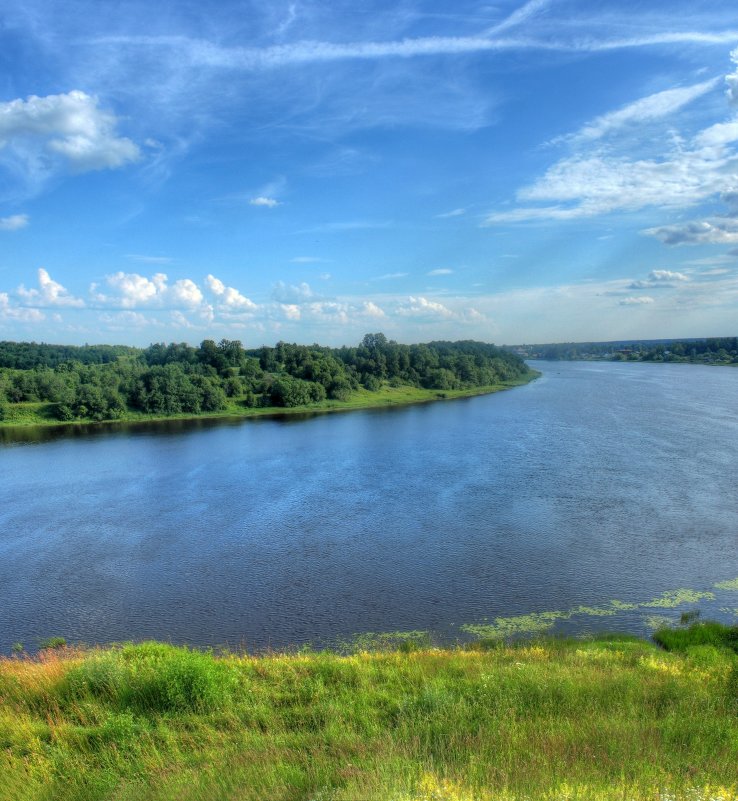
column 613, row 718
column 43, row 414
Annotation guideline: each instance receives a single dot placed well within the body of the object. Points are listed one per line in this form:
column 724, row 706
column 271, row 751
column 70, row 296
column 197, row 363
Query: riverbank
column 43, row 414
column 610, row 718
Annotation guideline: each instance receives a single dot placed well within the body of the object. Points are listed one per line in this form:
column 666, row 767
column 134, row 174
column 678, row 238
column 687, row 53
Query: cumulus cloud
column 49, row 293
column 131, row 290
column 636, row 301
column 14, row 223
column 422, row 307
column 291, row 311
column 266, row 202
column 229, row 297
column 71, row 125
column 660, row 279
column 331, row 311
column 667, row 275
column 10, row 312
column 291, row 293
column 370, row 309
column 185, row 293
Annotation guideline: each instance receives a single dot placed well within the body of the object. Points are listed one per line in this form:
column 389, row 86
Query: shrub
column 54, row 643
column 154, row 677
column 707, row 633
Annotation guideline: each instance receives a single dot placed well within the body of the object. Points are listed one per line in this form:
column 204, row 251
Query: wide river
column 596, row 482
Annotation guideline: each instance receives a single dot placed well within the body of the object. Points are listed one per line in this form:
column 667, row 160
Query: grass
column 610, row 718
column 43, row 414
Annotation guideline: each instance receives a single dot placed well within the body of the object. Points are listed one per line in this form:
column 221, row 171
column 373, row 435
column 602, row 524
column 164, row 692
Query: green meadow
column 612, row 717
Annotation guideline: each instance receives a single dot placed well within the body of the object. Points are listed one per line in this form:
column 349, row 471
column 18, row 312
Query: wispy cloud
column 14, row 223
column 647, row 109
column 598, row 179
column 440, row 271
column 144, row 259
column 203, row 53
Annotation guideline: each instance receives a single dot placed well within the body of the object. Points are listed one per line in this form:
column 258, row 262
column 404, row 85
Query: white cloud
column 667, row 275
column 14, row 223
column 307, row 260
column 120, row 321
column 24, row 315
column 69, row 125
column 660, row 279
column 291, row 311
column 602, row 177
column 452, row 213
column 732, row 79
column 185, row 292
column 440, row 271
column 291, row 293
column 601, row 183
column 231, row 299
column 643, row 110
column 422, row 307
column 636, row 301
column 149, row 259
column 49, row 293
column 370, row 309
column 198, row 53
column 131, row 290
column 267, row 202
column 717, row 231
column 390, row 276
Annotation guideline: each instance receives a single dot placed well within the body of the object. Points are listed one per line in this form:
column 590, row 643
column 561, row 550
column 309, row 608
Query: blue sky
column 513, row 171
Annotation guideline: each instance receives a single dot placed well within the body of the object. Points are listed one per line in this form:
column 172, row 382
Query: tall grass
column 606, row 719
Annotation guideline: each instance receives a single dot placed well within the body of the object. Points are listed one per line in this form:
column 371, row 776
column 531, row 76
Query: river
column 596, row 482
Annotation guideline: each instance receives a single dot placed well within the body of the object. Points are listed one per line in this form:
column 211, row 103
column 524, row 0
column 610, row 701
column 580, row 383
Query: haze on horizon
column 549, row 170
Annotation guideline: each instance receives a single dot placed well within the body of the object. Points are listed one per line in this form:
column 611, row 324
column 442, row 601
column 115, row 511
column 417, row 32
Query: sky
column 512, row 171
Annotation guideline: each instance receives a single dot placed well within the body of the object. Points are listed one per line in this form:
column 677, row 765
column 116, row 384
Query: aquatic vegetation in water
column 539, row 622
column 655, row 622
column 673, row 598
column 730, row 584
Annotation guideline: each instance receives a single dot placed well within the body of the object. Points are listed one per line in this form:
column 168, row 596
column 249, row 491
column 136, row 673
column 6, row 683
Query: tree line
column 713, row 350
column 104, row 382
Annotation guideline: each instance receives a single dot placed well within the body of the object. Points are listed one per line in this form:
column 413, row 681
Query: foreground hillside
column 610, row 719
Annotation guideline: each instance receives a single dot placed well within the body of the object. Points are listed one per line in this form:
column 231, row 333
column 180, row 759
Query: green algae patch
column 730, row 584
column 671, row 599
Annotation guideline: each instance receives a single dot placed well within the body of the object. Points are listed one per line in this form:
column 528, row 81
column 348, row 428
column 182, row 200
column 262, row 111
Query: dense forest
column 103, row 382
column 717, row 350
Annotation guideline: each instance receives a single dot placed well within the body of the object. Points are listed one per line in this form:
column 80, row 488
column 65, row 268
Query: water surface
column 596, row 482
